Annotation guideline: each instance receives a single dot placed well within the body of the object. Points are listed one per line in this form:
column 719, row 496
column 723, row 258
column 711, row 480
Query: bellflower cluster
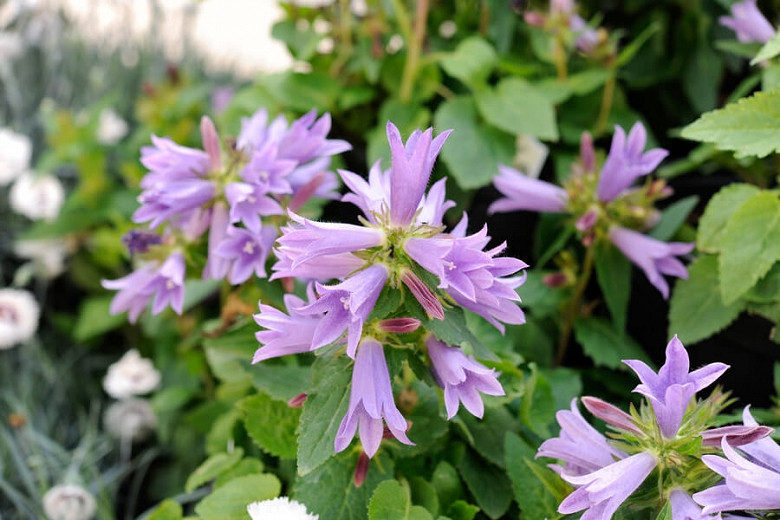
column 668, row 436
column 603, row 203
column 748, row 23
column 221, row 195
column 563, row 15
column 401, row 246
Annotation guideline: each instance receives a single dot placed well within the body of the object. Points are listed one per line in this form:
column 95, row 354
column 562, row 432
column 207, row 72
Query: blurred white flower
column 325, row 45
column 19, row 313
column 111, row 128
column 47, row 254
column 359, row 7
column 11, row 45
column 130, row 419
column 395, row 44
column 530, row 154
column 447, row 29
column 280, row 508
column 322, row 26
column 309, row 3
column 37, row 197
column 131, row 375
column 15, row 153
column 69, row 502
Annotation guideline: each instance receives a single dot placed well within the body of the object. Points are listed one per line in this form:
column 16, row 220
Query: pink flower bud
column 534, row 18
column 587, row 220
column 305, row 192
column 361, row 469
column 399, row 325
column 424, row 295
column 610, row 414
column 298, row 400
column 736, row 435
column 558, row 279
column 587, row 153
column 210, row 142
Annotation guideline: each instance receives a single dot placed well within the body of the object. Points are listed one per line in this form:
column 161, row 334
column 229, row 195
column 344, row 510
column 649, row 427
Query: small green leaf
column 212, row 467
column 282, row 382
column 229, row 502
column 666, row 512
column 323, row 411
column 696, row 310
column 613, row 271
column 515, row 106
column 768, row 51
column 712, row 225
column 303, row 92
column 751, row 126
column 673, row 217
column 95, row 319
column 537, row 409
column 767, row 290
column 471, row 62
column 751, row 245
column 246, row 466
column 604, row 345
column 391, row 501
column 462, row 510
column 538, row 490
column 271, row 424
column 488, row 432
column 488, row 483
column 446, row 481
column 167, row 510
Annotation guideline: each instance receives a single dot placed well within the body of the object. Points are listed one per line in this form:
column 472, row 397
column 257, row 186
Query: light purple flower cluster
column 402, row 236
column 564, row 12
column 600, row 201
column 226, row 193
column 748, row 23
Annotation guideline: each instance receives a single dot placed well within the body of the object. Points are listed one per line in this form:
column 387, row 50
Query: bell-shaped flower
column 627, row 161
column 684, row 508
column 249, row 202
column 462, row 378
column 748, row 22
column 522, row 192
column 370, row 402
column 654, row 257
column 670, row 390
column 246, row 252
column 764, row 450
column 285, row 334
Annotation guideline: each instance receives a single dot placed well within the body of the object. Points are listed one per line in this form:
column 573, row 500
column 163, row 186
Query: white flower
column 11, row 45
column 394, row 44
column 47, row 254
column 131, row 375
column 130, row 419
column 111, row 128
column 280, row 508
column 310, row 3
column 447, row 29
column 15, row 153
column 325, row 45
column 18, row 317
column 37, row 197
column 359, row 8
column 69, row 502
column 530, row 155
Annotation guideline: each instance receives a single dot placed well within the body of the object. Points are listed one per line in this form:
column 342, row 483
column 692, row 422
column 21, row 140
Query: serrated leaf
column 247, row 466
column 719, row 210
column 488, row 483
column 768, row 51
column 751, row 126
column 391, row 501
column 282, row 382
column 613, row 272
column 471, row 62
column 515, row 106
column 474, row 150
column 428, row 426
column 751, row 245
column 696, row 310
column 271, row 424
column 330, row 491
column 604, row 345
column 538, row 490
column 229, row 502
column 322, row 412
column 213, row 467
column 167, row 510
column 767, row 290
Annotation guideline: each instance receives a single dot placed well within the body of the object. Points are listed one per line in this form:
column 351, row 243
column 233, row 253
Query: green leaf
column 471, row 62
column 323, row 411
column 488, row 432
column 95, row 319
column 515, row 106
column 630, row 50
column 462, row 510
column 768, row 51
column 271, row 424
column 751, row 245
column 247, row 466
column 712, row 225
column 538, row 490
column 666, row 512
column 488, row 483
column 213, row 467
column 473, row 151
column 751, row 126
column 446, row 482
column 391, row 501
column 673, row 217
column 167, row 510
column 696, row 310
column 613, row 271
column 303, row 92
column 428, row 426
column 537, row 409
column 282, row 382
column 330, row 491
column 229, row 502
column 424, row 494
column 767, row 290
column 604, row 345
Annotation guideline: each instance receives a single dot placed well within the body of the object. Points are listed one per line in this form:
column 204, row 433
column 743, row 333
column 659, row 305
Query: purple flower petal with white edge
column 285, row 334
column 748, row 22
column 604, row 490
column 524, row 193
column 462, row 378
column 247, row 252
column 627, row 162
column 583, row 448
column 670, row 390
column 654, row 257
column 370, row 402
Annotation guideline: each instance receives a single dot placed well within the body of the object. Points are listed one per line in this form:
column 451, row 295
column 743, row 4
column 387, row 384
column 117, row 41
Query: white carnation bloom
column 131, row 375
column 37, row 197
column 15, row 153
column 280, row 508
column 530, row 155
column 69, row 502
column 130, row 419
column 111, row 128
column 18, row 317
column 47, row 254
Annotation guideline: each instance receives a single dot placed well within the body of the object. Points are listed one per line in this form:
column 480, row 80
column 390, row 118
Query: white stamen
column 249, row 248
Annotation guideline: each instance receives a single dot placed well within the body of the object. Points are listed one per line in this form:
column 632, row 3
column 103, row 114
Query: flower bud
column 736, row 435
column 423, row 294
column 610, row 414
column 559, row 279
column 361, row 469
column 587, row 220
column 587, row 152
column 69, row 502
column 131, row 375
column 399, row 325
column 130, row 419
column 298, row 400
column 305, row 192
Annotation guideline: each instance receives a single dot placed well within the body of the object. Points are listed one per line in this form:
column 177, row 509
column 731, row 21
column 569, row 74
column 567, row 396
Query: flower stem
column 345, row 38
column 559, row 57
column 572, row 310
column 607, row 100
column 414, row 51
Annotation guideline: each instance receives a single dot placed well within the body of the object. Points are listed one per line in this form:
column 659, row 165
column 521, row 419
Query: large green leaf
column 474, row 150
column 271, row 424
column 282, row 382
column 323, row 411
column 613, row 271
column 391, row 501
column 537, row 489
column 537, row 409
column 95, row 319
column 712, row 225
column 696, row 310
column 488, row 432
column 471, row 62
column 768, row 51
column 751, row 126
column 751, row 245
column 229, row 501
column 604, row 345
column 213, row 467
column 488, row 483
column 517, row 107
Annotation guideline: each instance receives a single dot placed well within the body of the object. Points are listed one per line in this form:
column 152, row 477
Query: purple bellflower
column 284, row 334
column 246, row 251
column 671, row 389
column 370, row 402
column 524, row 193
column 462, row 378
column 748, row 23
column 684, row 508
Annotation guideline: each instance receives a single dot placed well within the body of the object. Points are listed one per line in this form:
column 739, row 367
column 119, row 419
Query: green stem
column 607, row 99
column 572, row 309
column 345, row 38
column 414, row 51
column 559, row 57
